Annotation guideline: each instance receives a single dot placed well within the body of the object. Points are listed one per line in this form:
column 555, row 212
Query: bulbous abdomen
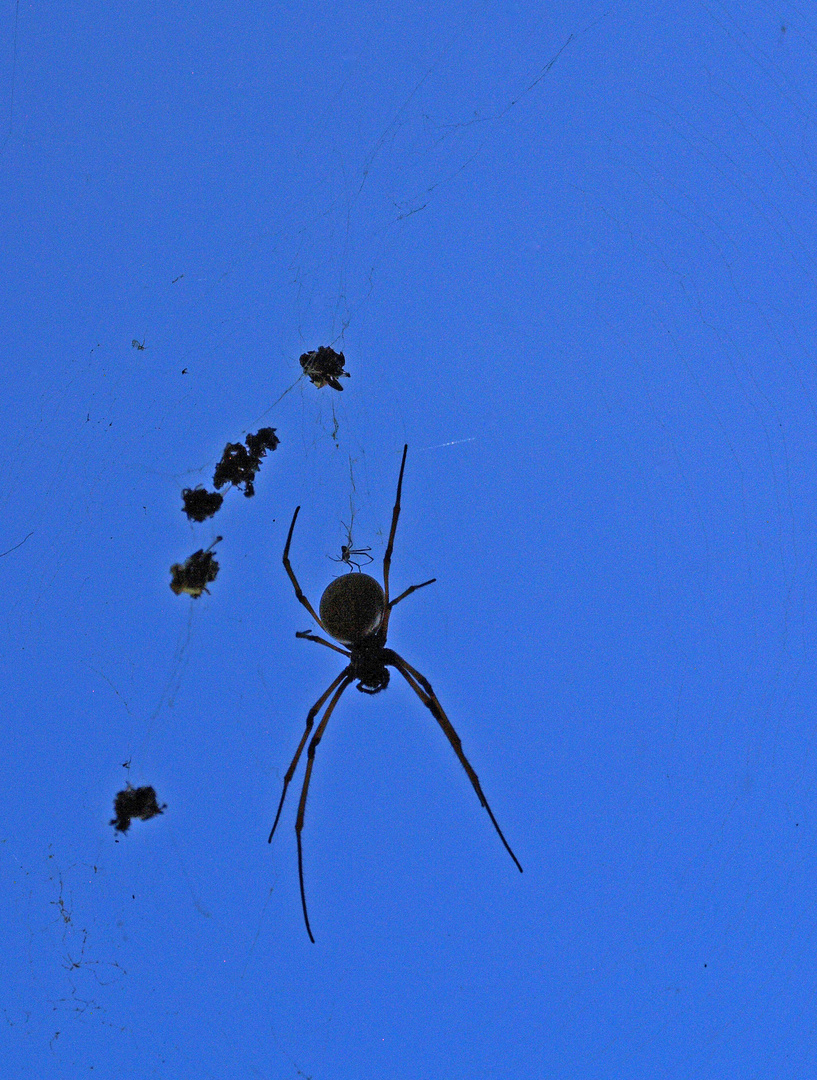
column 352, row 607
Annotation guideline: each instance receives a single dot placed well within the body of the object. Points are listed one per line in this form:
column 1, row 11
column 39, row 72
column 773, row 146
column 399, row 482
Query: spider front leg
column 310, row 718
column 395, row 514
column 424, row 691
column 287, row 566
column 410, row 590
column 407, row 592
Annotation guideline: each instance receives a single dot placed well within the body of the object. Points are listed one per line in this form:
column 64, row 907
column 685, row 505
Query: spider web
column 614, row 493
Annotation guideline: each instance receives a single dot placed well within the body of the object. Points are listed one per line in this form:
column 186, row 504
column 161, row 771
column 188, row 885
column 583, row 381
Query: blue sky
column 584, row 294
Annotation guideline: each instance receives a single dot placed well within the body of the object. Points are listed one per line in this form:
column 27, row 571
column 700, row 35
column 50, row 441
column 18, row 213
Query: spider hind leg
column 310, row 719
column 346, row 678
column 423, row 689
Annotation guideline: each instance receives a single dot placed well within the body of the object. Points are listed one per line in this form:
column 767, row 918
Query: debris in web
column 195, row 574
column 200, row 504
column 324, row 367
column 135, row 803
column 239, row 463
column 9, row 550
column 238, row 466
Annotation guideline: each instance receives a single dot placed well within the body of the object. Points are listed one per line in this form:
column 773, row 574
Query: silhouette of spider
column 355, row 611
column 348, row 550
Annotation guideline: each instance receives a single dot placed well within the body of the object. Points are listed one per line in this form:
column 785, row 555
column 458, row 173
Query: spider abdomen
column 352, row 608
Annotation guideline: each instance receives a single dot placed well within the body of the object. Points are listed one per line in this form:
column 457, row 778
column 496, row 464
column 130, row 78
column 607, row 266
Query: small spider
column 348, row 550
column 355, row 611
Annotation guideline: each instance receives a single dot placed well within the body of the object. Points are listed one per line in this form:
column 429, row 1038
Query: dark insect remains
column 134, row 802
column 239, row 463
column 238, row 467
column 200, row 504
column 355, row 611
column 324, row 366
column 195, row 574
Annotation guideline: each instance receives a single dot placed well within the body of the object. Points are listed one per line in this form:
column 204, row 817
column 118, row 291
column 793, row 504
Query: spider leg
column 423, row 689
column 344, row 678
column 395, row 515
column 410, row 589
column 361, row 553
column 292, row 578
column 321, row 641
column 310, row 717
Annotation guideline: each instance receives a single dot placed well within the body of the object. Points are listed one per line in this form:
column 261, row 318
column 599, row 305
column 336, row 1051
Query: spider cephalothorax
column 355, row 610
column 367, row 665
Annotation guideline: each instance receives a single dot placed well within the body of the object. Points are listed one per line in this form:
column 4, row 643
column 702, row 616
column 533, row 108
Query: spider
column 348, row 550
column 355, row 611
